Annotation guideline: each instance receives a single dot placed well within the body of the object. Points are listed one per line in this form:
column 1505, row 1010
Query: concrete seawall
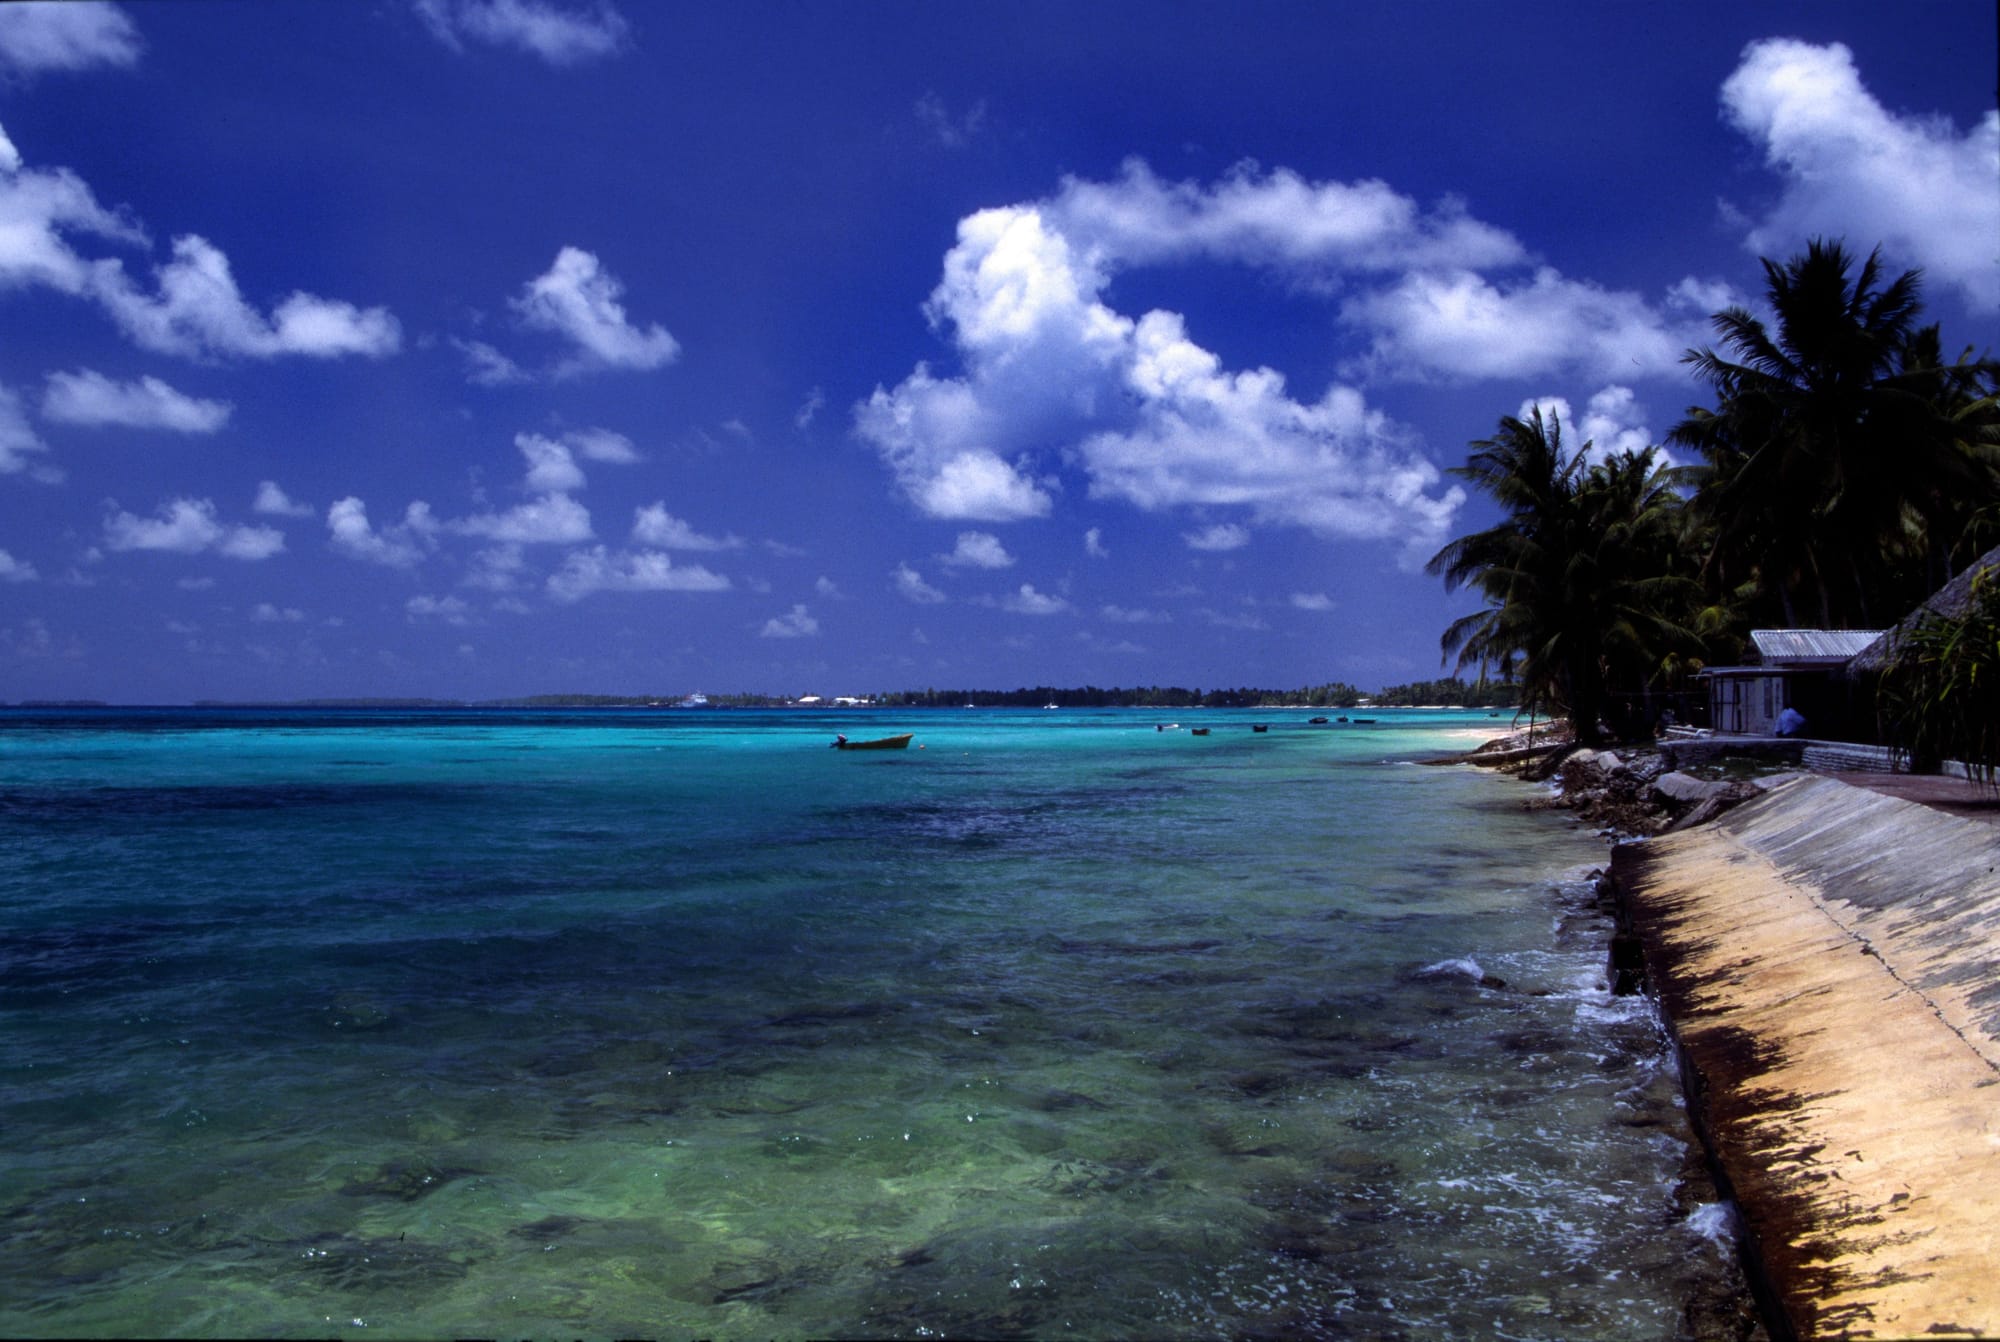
column 1829, row 960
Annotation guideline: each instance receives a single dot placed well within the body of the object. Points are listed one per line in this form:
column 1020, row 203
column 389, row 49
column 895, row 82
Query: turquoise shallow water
column 681, row 1024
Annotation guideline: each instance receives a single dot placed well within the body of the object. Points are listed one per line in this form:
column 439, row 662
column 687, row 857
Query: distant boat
column 1259, row 727
column 1050, row 705
column 885, row 743
column 1343, row 717
column 695, row 700
column 1198, row 731
column 1319, row 722
column 1362, row 721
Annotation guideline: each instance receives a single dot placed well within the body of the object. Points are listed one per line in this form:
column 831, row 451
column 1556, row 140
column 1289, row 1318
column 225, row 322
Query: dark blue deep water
column 680, row 1024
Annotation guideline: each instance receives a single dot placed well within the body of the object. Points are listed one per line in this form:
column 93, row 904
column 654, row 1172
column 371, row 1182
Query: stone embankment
column 1638, row 790
column 1828, row 960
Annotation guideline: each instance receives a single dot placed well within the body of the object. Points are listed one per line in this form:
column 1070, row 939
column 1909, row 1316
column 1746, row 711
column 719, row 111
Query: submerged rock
column 405, row 1180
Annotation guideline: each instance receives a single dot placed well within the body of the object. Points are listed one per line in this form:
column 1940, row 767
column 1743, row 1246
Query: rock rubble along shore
column 1631, row 790
column 1828, row 961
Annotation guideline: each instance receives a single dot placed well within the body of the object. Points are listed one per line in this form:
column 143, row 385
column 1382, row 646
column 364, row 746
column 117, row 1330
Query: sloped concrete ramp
column 1829, row 960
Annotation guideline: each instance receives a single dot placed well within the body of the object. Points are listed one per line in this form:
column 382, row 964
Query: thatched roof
column 1953, row 601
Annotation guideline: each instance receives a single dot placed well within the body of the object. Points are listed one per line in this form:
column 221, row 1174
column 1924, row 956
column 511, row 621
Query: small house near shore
column 1799, row 669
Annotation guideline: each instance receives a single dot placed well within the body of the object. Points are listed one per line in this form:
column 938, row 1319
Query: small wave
column 1463, row 967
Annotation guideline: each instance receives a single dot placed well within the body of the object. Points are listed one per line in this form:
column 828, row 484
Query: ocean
column 677, row 1023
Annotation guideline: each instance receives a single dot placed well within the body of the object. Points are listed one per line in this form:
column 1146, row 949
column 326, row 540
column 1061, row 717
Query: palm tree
column 1830, row 458
column 1582, row 597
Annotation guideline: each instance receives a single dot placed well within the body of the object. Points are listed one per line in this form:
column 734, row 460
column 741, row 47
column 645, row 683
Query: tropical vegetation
column 1940, row 692
column 1845, row 469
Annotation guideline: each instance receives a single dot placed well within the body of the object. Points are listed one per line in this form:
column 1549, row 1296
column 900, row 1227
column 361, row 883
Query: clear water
column 681, row 1024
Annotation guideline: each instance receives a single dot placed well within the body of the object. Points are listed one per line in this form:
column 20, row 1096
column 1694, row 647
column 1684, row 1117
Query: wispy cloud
column 21, row 449
column 275, row 502
column 953, row 132
column 910, row 585
column 91, row 399
column 41, row 38
column 560, row 34
column 1223, row 536
column 16, row 570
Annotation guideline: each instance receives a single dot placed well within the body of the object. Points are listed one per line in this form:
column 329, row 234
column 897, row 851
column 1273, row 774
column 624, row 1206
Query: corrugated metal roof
column 1825, row 647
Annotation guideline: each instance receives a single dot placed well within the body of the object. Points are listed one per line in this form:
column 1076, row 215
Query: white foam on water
column 1716, row 1223
column 1463, row 967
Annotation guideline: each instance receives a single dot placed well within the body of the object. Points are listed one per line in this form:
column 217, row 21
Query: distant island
column 1447, row 693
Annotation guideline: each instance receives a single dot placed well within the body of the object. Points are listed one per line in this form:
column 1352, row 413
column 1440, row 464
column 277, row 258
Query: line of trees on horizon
column 1450, row 693
column 1844, row 471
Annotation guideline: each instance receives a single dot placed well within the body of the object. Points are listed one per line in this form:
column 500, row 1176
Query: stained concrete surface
column 1828, row 958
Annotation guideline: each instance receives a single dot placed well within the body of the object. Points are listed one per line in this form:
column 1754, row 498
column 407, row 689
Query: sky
column 485, row 348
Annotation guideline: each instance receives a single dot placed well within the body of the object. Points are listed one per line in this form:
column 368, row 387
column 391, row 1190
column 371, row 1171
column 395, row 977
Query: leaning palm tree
column 1583, row 600
column 1829, row 456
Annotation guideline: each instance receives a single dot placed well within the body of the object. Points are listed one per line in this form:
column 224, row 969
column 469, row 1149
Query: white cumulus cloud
column 89, row 398
column 580, row 300
column 15, row 570
column 654, row 525
column 190, row 526
column 978, row 549
column 551, row 468
column 398, row 546
column 1852, row 168
column 1027, row 601
column 554, row 519
column 597, row 569
column 196, row 310
column 602, row 445
column 1612, row 421
column 1459, row 323
column 1314, row 601
column 1275, row 218
column 1150, row 416
column 795, row 623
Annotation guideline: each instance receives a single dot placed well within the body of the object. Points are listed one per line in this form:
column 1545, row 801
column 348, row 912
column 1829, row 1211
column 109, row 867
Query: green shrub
column 1940, row 695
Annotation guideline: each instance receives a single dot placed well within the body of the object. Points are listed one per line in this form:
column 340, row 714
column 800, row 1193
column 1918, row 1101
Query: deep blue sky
column 474, row 348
